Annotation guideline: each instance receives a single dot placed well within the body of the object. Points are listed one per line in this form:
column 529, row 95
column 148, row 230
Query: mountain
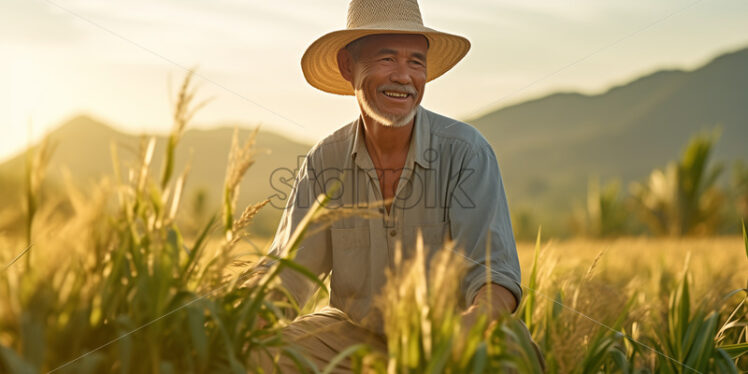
column 549, row 147
column 82, row 146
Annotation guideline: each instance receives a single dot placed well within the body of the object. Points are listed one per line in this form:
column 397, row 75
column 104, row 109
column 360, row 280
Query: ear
column 345, row 64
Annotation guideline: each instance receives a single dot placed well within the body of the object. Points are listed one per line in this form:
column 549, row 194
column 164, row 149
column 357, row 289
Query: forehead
column 412, row 42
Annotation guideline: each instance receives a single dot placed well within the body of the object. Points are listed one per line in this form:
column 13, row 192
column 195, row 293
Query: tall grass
column 582, row 324
column 425, row 331
column 117, row 287
column 36, row 169
column 682, row 199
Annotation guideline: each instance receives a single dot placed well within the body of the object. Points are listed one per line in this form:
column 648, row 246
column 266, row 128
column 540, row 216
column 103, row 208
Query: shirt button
column 393, row 232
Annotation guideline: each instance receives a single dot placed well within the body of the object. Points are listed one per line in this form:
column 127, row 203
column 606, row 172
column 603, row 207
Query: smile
column 399, row 95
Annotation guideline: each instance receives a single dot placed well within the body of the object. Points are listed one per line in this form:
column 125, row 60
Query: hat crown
column 362, row 13
column 377, row 17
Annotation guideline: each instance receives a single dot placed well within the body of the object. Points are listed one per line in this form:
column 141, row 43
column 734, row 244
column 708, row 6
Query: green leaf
column 125, row 343
column 300, row 269
column 342, row 356
column 196, row 326
column 15, row 363
column 619, row 358
column 166, row 367
column 703, row 345
column 529, row 305
column 90, row 364
column 302, row 363
column 679, row 316
column 745, row 239
column 735, row 350
column 479, row 359
column 523, row 343
column 196, row 250
column 169, row 160
column 725, row 363
column 33, row 331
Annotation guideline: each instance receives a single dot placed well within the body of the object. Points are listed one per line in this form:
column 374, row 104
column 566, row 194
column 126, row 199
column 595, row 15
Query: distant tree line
column 681, row 199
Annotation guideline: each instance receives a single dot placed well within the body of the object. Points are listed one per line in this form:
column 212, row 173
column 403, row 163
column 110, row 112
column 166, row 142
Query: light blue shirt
column 450, row 188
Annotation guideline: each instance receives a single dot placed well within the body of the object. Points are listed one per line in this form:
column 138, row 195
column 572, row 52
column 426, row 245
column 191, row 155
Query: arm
column 502, row 302
column 479, row 217
column 314, row 250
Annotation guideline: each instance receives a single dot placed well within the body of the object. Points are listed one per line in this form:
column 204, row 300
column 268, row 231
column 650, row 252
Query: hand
column 470, row 318
column 502, row 302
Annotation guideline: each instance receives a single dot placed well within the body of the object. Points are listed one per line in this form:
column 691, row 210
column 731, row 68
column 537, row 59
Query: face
column 388, row 74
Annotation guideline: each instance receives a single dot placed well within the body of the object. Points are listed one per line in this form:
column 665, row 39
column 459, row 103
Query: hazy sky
column 114, row 59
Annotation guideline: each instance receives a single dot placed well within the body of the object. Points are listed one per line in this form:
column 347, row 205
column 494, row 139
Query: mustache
column 409, row 89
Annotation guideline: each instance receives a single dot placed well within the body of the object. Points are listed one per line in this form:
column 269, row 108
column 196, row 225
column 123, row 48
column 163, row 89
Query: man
column 435, row 176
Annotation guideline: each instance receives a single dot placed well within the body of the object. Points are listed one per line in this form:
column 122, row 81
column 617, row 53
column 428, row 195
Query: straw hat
column 370, row 17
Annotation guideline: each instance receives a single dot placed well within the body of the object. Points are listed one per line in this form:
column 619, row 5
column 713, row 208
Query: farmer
column 428, row 173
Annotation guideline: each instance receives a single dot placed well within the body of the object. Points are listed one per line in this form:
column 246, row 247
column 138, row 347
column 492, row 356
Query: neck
column 388, row 144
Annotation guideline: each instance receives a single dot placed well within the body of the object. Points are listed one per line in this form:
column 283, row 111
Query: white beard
column 384, row 119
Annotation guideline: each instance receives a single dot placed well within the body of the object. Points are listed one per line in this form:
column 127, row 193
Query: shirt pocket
column 433, row 234
column 350, row 262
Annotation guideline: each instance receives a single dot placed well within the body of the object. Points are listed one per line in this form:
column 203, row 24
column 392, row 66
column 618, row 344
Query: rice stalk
column 183, row 112
column 36, row 170
column 241, row 157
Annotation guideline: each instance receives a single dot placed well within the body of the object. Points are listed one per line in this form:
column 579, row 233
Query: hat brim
column 320, row 61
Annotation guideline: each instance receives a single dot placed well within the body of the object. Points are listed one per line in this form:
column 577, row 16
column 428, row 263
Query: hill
column 550, row 146
column 83, row 146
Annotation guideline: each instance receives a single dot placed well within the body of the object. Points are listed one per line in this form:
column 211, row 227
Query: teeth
column 395, row 94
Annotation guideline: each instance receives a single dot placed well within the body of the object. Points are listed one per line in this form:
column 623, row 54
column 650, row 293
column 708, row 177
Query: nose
column 400, row 74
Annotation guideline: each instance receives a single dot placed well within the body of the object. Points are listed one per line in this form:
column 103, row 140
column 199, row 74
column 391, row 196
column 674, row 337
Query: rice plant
column 605, row 214
column 682, row 199
column 119, row 286
column 425, row 330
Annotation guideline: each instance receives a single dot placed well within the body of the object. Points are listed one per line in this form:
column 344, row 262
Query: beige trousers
column 321, row 336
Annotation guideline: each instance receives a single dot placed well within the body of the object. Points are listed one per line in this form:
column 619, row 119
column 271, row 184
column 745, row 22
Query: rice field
column 109, row 281
column 598, row 306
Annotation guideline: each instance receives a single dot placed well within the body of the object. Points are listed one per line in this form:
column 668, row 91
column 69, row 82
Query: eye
column 388, row 59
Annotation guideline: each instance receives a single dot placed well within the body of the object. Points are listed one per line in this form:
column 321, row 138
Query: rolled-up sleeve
column 314, row 252
column 481, row 214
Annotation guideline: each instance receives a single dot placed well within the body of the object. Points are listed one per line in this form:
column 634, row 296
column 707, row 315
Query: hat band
column 395, row 27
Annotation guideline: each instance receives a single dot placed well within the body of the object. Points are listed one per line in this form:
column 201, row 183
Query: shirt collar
column 418, row 151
